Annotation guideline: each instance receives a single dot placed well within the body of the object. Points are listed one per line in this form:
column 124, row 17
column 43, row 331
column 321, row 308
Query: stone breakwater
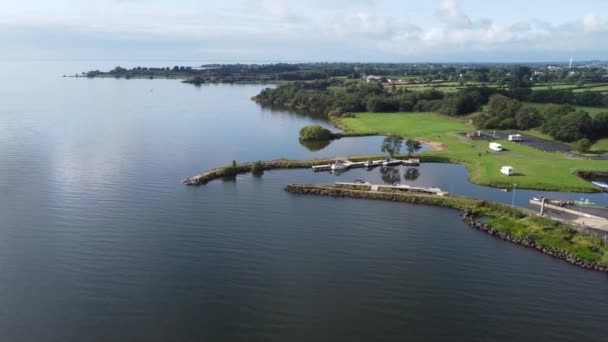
column 467, row 216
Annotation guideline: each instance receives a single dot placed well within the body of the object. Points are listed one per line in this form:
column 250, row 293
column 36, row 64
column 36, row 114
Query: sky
column 305, row 30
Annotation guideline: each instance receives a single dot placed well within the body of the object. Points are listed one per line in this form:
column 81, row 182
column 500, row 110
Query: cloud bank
column 292, row 30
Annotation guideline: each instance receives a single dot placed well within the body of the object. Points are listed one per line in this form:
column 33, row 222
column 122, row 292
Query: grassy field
column 600, row 146
column 531, row 166
column 591, row 110
column 450, row 87
column 386, row 123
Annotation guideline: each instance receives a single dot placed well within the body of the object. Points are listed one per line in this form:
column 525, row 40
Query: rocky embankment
column 470, row 219
column 451, row 202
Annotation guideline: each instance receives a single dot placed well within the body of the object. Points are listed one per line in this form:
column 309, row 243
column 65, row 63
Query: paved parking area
column 528, row 140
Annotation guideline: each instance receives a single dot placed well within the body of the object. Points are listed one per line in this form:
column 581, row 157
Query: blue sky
column 313, row 30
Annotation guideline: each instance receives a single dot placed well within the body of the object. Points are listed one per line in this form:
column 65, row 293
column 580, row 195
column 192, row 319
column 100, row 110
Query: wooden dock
column 347, row 164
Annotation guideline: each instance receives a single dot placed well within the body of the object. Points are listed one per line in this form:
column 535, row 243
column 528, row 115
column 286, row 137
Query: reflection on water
column 390, row 175
column 315, row 146
column 411, row 174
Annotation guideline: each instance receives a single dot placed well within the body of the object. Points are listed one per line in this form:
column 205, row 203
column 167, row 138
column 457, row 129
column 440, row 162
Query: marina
column 341, row 165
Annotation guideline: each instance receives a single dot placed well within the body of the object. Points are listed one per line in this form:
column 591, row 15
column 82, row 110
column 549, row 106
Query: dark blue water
column 100, row 242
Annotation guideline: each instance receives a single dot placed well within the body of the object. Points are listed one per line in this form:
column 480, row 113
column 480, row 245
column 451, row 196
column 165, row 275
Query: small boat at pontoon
column 338, row 165
column 391, row 162
column 602, row 185
column 553, row 201
column 583, row 202
column 411, row 162
column 372, row 163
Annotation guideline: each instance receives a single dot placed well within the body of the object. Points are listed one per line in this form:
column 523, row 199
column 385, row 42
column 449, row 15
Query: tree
column 582, row 145
column 315, row 133
column 520, row 77
column 600, row 125
column 569, row 127
column 392, row 144
column 527, row 118
column 412, row 146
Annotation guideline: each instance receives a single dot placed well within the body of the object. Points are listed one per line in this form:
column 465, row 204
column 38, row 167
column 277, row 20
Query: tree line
column 337, row 98
column 561, row 121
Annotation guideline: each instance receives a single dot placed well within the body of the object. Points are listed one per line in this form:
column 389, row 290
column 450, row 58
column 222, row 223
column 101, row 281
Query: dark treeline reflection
column 314, row 146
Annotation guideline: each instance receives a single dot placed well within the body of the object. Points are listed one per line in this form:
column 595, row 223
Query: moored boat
column 411, row 162
column 338, row 165
column 553, row 201
column 602, row 185
column 584, row 202
column 391, row 162
column 372, row 163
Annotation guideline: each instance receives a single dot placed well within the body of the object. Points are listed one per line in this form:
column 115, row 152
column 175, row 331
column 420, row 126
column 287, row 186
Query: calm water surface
column 100, row 242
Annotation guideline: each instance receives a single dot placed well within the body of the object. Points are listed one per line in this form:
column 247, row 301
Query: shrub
column 315, row 132
column 582, row 145
column 257, row 167
column 230, row 170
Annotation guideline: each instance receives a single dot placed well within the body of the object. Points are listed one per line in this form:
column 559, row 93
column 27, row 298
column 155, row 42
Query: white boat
column 602, row 185
column 338, row 166
column 583, row 202
column 373, row 163
column 411, row 162
column 391, row 162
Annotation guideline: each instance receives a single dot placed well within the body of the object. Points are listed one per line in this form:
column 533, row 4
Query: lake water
column 99, row 241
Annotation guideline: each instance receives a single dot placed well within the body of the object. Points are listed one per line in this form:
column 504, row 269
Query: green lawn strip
column 600, row 146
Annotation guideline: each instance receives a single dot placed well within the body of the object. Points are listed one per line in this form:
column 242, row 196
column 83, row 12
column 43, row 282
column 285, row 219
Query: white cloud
column 449, row 12
column 365, row 25
column 593, row 23
column 274, row 8
column 335, row 29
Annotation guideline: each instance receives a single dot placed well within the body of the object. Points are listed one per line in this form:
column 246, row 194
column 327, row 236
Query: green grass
column 591, row 110
column 600, row 146
column 406, row 124
column 596, row 88
column 533, row 169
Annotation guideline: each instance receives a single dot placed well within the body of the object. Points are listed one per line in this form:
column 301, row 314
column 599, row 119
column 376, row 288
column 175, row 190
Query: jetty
column 401, row 187
column 347, row 164
column 339, row 164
